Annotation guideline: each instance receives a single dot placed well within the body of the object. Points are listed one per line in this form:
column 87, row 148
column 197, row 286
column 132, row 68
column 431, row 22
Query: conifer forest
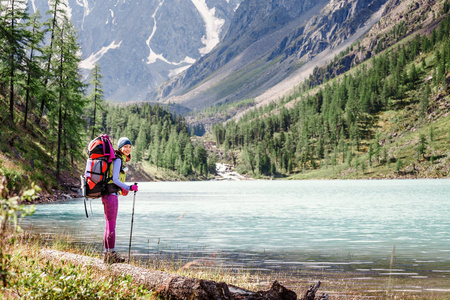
column 331, row 118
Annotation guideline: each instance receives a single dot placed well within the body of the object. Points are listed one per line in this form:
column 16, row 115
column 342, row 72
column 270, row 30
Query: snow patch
column 188, row 60
column 33, row 5
column 89, row 63
column 113, row 20
column 85, row 5
column 213, row 26
column 153, row 57
column 178, row 71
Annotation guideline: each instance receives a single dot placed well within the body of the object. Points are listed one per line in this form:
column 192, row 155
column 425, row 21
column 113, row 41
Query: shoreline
column 436, row 282
column 67, row 190
column 61, row 195
column 346, row 285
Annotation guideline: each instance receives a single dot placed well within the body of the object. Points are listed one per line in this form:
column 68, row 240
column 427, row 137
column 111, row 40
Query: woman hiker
column 116, row 186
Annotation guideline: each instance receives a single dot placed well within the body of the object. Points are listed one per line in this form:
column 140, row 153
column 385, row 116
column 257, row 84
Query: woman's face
column 126, row 149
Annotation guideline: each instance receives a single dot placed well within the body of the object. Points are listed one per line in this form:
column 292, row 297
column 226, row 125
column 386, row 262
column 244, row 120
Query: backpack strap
column 95, row 173
column 107, row 141
column 111, row 188
column 108, row 175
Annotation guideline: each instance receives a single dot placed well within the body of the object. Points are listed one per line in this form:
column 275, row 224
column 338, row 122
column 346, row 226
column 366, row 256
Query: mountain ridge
column 275, row 63
column 140, row 44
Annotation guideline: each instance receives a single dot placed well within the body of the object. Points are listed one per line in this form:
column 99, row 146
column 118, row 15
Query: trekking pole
column 132, row 219
column 85, row 208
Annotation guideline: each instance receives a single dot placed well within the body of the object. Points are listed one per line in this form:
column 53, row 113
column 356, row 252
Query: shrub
column 37, row 280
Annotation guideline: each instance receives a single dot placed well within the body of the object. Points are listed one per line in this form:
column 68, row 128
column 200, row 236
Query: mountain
column 139, row 44
column 378, row 109
column 269, row 42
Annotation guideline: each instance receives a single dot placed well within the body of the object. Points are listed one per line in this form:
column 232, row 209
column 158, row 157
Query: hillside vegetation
column 47, row 119
column 42, row 131
column 162, row 143
column 387, row 117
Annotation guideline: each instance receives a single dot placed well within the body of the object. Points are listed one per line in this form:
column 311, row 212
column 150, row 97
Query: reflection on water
column 269, row 225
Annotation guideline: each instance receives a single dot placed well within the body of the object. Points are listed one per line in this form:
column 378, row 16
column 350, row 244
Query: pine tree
column 424, row 101
column 17, row 37
column 141, row 143
column 421, row 146
column 370, row 154
column 53, row 24
column 69, row 88
column 248, row 157
column 200, row 159
column 212, row 160
column 33, row 85
column 96, row 95
column 413, row 75
column 398, row 165
column 188, row 159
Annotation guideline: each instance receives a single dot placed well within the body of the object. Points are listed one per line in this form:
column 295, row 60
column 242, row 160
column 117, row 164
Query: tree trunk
column 311, row 293
column 58, row 155
column 64, row 134
column 11, row 94
column 60, row 126
column 11, row 82
column 49, row 61
column 27, row 96
column 178, row 287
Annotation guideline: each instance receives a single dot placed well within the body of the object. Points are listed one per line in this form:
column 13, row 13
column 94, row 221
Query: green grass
column 242, row 78
column 35, row 278
column 436, row 163
column 399, row 131
column 226, row 109
column 25, row 155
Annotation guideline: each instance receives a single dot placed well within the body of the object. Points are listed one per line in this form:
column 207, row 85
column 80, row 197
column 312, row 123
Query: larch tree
column 96, row 95
column 33, row 84
column 17, row 37
column 52, row 24
column 69, row 88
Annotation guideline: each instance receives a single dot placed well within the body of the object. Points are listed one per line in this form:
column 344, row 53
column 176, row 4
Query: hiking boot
column 112, row 258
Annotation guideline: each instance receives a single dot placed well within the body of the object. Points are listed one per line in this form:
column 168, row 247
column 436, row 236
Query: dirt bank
column 68, row 189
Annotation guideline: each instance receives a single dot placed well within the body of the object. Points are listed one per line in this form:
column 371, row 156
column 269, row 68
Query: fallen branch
column 175, row 286
column 311, row 293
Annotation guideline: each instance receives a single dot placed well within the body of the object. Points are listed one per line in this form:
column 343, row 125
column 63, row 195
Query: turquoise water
column 270, row 224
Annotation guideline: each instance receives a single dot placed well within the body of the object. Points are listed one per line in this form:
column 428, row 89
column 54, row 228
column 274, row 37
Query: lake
column 350, row 225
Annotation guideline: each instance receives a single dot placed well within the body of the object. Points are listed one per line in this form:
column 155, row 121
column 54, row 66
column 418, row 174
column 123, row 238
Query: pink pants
column 111, row 205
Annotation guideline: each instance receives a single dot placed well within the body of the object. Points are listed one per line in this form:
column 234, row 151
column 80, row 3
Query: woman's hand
column 134, row 188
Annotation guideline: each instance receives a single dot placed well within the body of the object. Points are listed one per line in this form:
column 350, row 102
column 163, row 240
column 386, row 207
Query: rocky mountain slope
column 139, row 44
column 396, row 20
column 268, row 42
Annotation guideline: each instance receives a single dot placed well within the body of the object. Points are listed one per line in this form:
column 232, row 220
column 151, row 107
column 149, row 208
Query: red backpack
column 96, row 175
